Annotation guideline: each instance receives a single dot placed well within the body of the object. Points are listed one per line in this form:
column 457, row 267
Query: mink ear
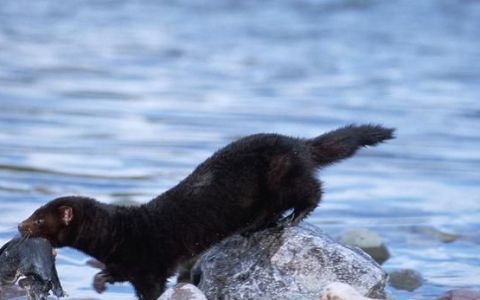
column 66, row 214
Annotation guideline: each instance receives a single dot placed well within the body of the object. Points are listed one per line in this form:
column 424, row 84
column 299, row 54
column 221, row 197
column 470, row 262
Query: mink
column 243, row 187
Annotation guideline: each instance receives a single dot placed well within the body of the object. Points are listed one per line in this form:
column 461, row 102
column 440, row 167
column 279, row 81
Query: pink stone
column 461, row 294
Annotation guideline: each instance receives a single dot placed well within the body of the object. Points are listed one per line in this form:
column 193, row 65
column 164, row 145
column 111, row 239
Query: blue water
column 122, row 99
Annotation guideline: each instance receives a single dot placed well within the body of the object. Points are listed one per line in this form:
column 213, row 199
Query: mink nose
column 22, row 227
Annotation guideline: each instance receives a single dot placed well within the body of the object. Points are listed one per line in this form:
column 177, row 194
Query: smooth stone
column 34, row 260
column 92, row 262
column 461, row 294
column 295, row 262
column 437, row 234
column 11, row 292
column 126, row 202
column 341, row 291
column 368, row 241
column 405, row 279
column 183, row 291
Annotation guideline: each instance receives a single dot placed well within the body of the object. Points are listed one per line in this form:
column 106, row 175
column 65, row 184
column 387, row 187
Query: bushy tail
column 344, row 142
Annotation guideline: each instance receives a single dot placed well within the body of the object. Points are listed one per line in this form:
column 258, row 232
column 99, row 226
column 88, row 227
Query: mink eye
column 39, row 221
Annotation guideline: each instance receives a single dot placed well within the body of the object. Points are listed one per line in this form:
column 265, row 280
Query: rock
column 34, row 259
column 126, row 202
column 92, row 262
column 442, row 236
column 341, row 291
column 368, row 241
column 10, row 292
column 405, row 279
column 293, row 263
column 183, row 291
column 461, row 294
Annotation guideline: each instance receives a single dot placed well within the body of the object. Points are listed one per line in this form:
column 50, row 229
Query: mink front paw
column 100, row 280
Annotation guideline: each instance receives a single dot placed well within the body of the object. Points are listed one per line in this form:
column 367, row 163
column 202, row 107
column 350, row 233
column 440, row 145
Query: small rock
column 92, row 262
column 368, row 241
column 460, row 294
column 34, row 259
column 430, row 231
column 341, row 291
column 296, row 262
column 43, row 190
column 405, row 279
column 126, row 202
column 183, row 291
column 10, row 292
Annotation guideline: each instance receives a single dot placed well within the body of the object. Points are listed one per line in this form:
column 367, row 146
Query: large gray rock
column 292, row 263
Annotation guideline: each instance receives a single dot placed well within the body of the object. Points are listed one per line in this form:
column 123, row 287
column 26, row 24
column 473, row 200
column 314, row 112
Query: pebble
column 368, row 241
column 405, row 279
column 437, row 234
column 183, row 291
column 126, row 202
column 461, row 294
column 341, row 291
column 92, row 262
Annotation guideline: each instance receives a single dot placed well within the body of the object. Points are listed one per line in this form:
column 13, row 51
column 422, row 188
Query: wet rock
column 43, row 190
column 461, row 294
column 341, row 291
column 368, row 241
column 10, row 292
column 435, row 233
column 405, row 279
column 34, row 259
column 293, row 263
column 126, row 202
column 92, row 262
column 183, row 291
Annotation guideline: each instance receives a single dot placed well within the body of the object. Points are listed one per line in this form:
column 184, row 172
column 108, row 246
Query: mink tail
column 344, row 142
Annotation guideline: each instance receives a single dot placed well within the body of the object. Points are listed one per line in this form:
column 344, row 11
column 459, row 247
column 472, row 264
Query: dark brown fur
column 245, row 186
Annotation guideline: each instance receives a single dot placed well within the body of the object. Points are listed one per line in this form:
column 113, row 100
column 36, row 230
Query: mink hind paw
column 292, row 219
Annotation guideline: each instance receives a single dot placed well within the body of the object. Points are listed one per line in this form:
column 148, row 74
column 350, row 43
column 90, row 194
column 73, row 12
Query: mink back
column 228, row 191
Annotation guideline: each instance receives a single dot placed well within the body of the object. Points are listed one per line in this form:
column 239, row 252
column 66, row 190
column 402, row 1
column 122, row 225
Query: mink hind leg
column 263, row 220
column 149, row 289
column 292, row 185
column 303, row 196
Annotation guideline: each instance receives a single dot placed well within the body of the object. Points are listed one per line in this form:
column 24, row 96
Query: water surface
column 119, row 100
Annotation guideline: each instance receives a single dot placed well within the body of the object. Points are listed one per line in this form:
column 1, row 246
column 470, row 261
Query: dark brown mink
column 243, row 187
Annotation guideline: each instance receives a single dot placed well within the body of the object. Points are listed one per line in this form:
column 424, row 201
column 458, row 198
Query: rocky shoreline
column 301, row 262
column 297, row 262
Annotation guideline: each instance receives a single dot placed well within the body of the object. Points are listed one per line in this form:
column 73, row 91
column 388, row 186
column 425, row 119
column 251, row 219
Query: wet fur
column 245, row 186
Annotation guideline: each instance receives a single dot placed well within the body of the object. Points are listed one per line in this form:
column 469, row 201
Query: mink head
column 56, row 221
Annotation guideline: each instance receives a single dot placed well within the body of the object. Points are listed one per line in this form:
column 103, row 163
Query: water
column 121, row 99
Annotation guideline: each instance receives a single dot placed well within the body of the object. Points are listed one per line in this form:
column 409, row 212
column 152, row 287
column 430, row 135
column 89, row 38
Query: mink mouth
column 25, row 234
column 25, row 230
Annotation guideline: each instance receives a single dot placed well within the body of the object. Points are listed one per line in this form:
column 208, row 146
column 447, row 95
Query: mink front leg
column 103, row 277
column 100, row 280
